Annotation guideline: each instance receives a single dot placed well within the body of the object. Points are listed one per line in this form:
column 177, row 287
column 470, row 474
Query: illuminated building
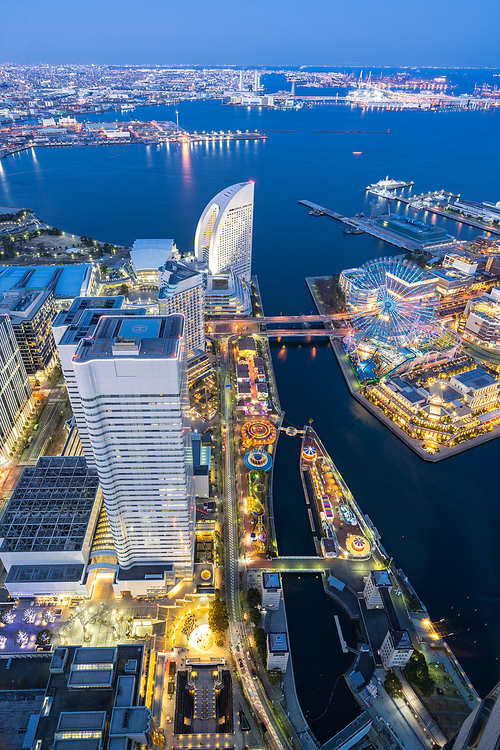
column 481, row 728
column 482, row 320
column 182, row 290
column 47, row 528
column 147, row 256
column 15, row 391
column 69, row 328
column 223, row 238
column 132, row 380
column 376, row 581
column 478, row 387
column 396, row 649
column 227, row 294
column 277, row 651
column 412, row 229
column 31, row 312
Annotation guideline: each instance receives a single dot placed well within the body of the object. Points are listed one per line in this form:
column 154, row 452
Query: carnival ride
column 258, row 458
column 392, row 300
column 258, row 432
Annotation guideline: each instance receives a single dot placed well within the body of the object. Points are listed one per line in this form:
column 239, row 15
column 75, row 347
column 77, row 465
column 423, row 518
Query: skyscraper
column 223, row 238
column 16, row 398
column 182, row 290
column 69, row 328
column 132, row 380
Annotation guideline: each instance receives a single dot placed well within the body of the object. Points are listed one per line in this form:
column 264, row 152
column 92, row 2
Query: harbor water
column 440, row 522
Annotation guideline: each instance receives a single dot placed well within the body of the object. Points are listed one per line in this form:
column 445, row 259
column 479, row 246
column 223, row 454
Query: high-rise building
column 16, row 398
column 132, row 381
column 182, row 290
column 69, row 328
column 223, row 238
column 31, row 312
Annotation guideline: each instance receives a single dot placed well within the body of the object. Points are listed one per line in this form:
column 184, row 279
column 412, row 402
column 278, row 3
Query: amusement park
column 333, row 513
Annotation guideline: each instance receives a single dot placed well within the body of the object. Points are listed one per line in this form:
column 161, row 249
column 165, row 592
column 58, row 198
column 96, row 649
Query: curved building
column 223, row 238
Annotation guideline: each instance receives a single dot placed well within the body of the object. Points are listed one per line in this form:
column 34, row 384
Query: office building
column 277, row 651
column 47, row 527
column 15, row 391
column 376, row 581
column 396, row 649
column 69, row 328
column 223, row 238
column 202, row 459
column 31, row 312
column 132, row 381
column 271, row 590
column 182, row 290
column 417, row 231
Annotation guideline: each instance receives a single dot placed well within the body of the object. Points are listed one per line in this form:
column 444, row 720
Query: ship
column 389, row 184
column 353, row 230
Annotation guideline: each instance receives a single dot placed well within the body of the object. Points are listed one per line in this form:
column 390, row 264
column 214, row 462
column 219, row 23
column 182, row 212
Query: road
column 254, row 690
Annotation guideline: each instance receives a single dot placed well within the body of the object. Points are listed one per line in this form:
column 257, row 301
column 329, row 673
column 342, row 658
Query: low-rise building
column 396, row 649
column 480, row 388
column 148, row 255
column 376, row 581
column 227, row 294
column 47, row 528
column 277, row 651
column 202, row 456
column 271, row 590
column 482, row 320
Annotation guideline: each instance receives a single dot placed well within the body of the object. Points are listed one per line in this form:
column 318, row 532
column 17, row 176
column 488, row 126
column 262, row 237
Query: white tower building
column 256, row 81
column 15, row 391
column 182, row 290
column 132, row 380
column 223, row 239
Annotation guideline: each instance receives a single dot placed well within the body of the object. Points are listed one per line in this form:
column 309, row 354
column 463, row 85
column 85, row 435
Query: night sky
column 252, row 32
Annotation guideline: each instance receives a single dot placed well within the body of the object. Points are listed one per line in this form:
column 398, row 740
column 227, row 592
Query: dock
column 370, row 226
column 416, row 203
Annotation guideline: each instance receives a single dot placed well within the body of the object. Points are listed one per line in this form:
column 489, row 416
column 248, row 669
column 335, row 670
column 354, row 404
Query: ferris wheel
column 392, row 300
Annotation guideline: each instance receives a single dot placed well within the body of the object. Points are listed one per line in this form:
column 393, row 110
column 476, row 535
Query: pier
column 416, row 203
column 369, row 226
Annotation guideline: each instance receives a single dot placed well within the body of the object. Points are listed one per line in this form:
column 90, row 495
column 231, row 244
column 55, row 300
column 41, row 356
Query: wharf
column 416, row 204
column 369, row 226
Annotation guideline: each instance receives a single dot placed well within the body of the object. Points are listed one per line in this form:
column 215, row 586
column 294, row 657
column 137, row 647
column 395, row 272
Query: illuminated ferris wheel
column 392, row 300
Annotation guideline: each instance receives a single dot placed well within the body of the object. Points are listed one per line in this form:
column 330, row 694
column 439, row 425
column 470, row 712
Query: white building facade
column 16, row 400
column 182, row 290
column 132, row 381
column 396, row 649
column 223, row 239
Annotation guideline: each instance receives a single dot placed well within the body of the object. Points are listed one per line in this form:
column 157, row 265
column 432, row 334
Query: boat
column 353, row 230
column 315, row 212
column 389, row 184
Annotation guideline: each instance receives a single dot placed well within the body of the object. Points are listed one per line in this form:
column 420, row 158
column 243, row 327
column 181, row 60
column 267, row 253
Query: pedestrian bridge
column 311, row 564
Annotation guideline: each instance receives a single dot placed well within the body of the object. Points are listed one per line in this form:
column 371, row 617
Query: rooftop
column 65, row 281
column 476, row 378
column 50, row 507
column 278, row 642
column 149, row 255
column 271, row 580
column 142, row 336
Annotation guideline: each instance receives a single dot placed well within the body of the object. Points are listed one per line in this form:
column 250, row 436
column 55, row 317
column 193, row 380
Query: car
column 457, row 692
column 240, row 662
column 168, row 719
column 263, row 727
column 254, row 673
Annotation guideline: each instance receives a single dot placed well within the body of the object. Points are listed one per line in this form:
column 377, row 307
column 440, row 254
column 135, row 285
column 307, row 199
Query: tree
column 417, row 672
column 255, row 615
column 218, row 616
column 261, row 644
column 44, row 637
column 253, row 597
column 124, row 290
column 393, row 685
column 103, row 269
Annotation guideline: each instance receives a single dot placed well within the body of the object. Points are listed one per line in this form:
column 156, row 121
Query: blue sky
column 252, row 32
